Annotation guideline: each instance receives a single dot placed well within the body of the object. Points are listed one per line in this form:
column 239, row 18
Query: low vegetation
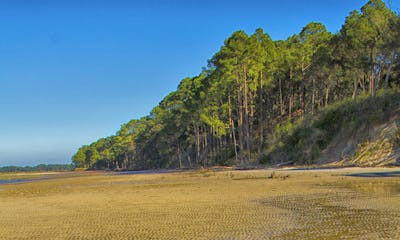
column 39, row 168
column 360, row 133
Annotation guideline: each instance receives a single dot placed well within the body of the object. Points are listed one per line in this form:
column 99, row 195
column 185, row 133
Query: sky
column 74, row 71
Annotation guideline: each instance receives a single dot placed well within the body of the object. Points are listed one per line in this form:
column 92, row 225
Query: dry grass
column 320, row 204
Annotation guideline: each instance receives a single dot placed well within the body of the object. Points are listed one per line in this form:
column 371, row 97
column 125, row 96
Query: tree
column 79, row 159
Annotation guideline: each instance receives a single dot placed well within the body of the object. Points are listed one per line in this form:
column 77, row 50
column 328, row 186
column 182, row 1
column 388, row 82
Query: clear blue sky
column 74, row 71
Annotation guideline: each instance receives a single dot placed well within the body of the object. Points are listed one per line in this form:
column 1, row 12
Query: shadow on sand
column 146, row 172
column 375, row 174
column 11, row 181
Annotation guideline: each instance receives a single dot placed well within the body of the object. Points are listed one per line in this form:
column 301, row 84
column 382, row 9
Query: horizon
column 74, row 72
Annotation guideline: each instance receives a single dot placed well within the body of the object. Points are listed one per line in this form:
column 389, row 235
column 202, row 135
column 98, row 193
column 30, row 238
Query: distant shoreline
column 38, row 168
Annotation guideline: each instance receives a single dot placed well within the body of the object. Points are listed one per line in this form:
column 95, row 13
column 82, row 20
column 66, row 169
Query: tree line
column 227, row 113
column 39, row 168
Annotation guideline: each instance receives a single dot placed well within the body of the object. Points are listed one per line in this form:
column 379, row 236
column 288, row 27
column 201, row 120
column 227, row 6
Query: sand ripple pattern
column 202, row 205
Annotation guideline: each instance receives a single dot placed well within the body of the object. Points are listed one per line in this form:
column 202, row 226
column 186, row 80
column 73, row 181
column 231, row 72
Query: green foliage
column 265, row 101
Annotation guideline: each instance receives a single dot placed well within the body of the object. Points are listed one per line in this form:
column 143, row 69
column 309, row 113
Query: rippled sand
column 288, row 204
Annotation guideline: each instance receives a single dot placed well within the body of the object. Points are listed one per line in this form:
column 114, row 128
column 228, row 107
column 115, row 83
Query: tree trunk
column 246, row 117
column 372, row 86
column 313, row 96
column 260, row 116
column 211, row 141
column 355, row 93
column 291, row 92
column 179, row 156
column 234, row 139
column 189, row 160
column 372, row 77
column 205, row 151
column 240, row 125
column 281, row 97
column 303, row 88
column 232, row 126
column 197, row 144
column 326, row 96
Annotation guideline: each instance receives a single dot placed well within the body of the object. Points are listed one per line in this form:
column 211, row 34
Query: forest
column 255, row 88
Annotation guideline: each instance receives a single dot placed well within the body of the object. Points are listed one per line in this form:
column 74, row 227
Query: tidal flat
column 203, row 204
